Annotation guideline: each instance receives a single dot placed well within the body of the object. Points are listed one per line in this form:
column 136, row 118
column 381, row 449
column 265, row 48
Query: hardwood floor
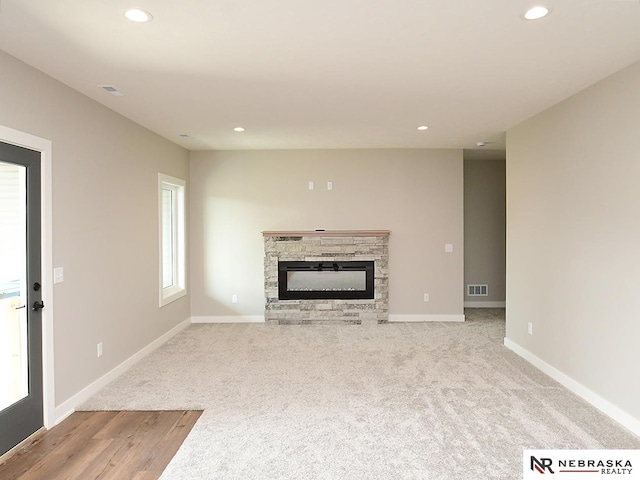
column 103, row 445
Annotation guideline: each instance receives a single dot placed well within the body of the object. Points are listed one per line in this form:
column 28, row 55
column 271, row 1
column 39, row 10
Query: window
column 171, row 212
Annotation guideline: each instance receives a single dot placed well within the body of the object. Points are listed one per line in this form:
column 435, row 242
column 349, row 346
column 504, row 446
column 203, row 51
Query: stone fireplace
column 323, row 277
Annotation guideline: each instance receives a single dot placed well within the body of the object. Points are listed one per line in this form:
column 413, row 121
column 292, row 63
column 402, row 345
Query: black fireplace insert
column 326, row 280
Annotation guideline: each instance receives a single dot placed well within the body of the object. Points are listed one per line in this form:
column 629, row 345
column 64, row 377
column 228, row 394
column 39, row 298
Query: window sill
column 171, row 294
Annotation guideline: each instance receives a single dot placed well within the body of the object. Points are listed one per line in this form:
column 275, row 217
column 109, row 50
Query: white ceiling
column 325, row 74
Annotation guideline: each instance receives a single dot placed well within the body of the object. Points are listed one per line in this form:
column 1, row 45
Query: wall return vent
column 477, row 290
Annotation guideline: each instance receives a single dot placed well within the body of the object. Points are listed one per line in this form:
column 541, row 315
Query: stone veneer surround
column 337, row 246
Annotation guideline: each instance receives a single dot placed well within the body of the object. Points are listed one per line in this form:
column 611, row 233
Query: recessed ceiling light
column 423, row 127
column 535, row 13
column 137, row 15
column 238, row 129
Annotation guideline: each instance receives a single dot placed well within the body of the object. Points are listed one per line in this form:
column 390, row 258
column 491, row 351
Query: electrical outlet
column 234, row 298
column 426, row 297
column 99, row 349
column 329, row 185
column 530, row 328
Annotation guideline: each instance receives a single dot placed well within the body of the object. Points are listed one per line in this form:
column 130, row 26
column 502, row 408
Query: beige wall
column 484, row 229
column 417, row 194
column 573, row 231
column 105, row 223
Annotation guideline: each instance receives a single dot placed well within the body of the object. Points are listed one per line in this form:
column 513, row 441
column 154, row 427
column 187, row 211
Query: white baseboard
column 68, row 407
column 426, row 318
column 476, row 304
column 229, row 319
column 606, row 407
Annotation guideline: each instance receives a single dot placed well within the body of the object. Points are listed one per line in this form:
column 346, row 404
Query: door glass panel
column 14, row 374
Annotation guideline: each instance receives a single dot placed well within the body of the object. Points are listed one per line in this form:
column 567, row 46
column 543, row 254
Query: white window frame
column 178, row 220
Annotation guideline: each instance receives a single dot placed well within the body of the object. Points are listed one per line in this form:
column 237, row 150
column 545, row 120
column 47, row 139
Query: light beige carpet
column 415, row 401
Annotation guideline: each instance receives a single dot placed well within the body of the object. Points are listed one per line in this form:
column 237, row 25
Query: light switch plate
column 58, row 275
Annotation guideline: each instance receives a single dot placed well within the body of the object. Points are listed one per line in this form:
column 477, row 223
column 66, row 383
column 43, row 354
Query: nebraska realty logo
column 581, row 464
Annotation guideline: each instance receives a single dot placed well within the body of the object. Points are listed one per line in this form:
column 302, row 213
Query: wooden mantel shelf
column 327, row 233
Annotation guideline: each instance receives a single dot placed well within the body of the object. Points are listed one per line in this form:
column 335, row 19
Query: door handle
column 18, row 308
column 38, row 306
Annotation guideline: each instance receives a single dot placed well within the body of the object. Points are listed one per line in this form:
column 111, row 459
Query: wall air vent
column 477, row 290
column 110, row 89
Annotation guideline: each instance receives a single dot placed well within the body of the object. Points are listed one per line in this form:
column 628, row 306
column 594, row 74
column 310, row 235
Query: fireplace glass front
column 325, row 280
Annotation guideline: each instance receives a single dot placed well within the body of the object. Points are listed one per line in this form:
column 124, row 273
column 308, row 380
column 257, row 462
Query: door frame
column 44, row 146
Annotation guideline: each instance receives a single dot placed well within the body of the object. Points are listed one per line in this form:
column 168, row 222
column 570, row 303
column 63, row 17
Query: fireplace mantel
column 326, row 233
